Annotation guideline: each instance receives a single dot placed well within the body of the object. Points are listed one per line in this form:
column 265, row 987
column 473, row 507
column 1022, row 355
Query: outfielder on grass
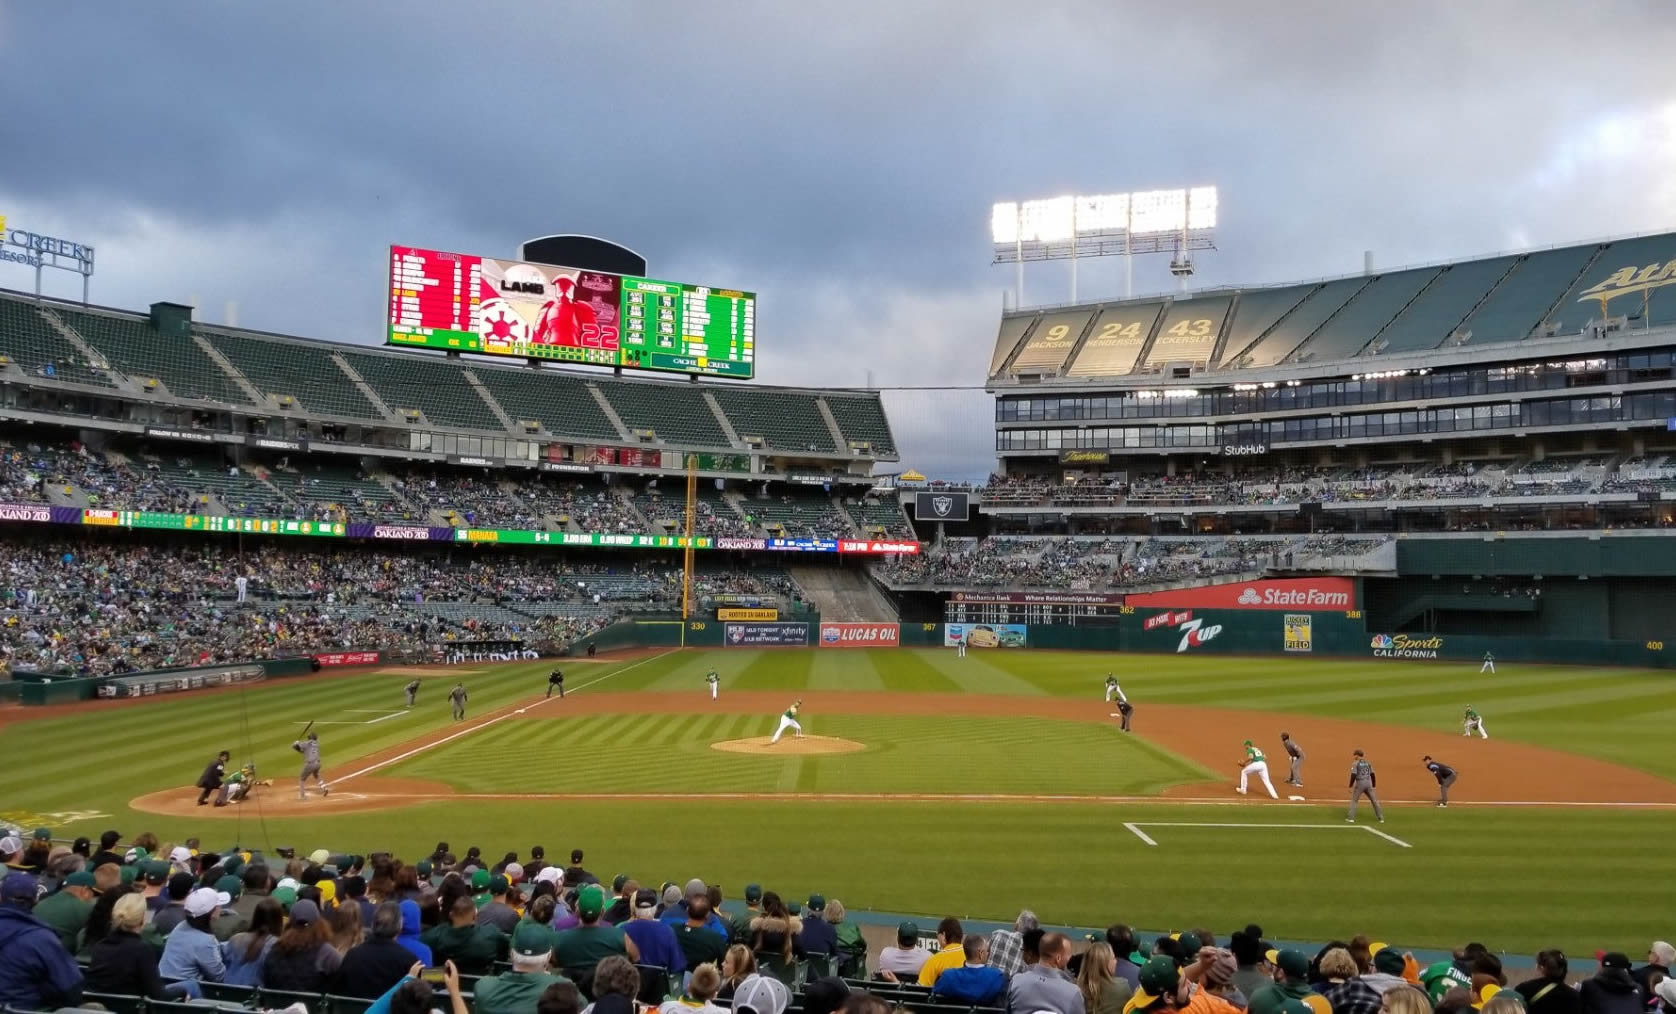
column 715, row 680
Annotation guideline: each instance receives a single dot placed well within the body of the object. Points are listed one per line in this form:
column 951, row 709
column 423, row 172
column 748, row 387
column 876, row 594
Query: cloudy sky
column 840, row 159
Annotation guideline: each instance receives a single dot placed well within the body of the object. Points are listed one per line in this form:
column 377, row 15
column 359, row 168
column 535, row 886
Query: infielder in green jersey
column 789, row 721
column 1255, row 764
column 1473, row 722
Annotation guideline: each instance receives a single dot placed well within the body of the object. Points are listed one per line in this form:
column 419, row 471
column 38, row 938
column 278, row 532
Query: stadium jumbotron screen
column 466, row 303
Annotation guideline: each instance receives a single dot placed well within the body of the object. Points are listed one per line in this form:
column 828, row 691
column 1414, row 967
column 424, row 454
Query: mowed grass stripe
column 911, row 670
column 845, row 669
column 773, row 669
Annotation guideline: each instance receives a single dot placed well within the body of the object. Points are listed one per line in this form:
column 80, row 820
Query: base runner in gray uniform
column 309, row 747
column 1362, row 783
column 458, row 697
column 1296, row 753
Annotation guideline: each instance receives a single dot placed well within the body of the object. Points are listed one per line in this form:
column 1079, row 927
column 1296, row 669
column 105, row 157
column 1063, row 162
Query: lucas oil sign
column 860, row 635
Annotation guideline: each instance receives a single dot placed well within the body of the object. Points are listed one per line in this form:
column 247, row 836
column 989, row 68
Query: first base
column 1296, row 799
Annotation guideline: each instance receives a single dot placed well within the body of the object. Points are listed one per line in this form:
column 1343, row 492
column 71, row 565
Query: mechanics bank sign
column 1281, row 593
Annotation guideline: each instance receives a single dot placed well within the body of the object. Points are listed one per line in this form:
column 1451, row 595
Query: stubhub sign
column 1280, row 593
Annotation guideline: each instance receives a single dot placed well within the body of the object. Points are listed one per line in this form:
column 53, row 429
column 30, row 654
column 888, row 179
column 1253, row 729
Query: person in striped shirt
column 1255, row 764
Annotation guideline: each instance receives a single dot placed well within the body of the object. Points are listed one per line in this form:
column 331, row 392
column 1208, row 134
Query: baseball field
column 933, row 784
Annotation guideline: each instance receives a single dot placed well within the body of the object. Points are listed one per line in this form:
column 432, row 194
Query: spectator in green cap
column 473, row 948
column 517, row 991
column 818, row 936
column 1292, row 983
column 592, row 940
column 739, row 930
column 497, row 912
column 1160, row 983
column 904, row 960
column 67, row 909
column 228, row 923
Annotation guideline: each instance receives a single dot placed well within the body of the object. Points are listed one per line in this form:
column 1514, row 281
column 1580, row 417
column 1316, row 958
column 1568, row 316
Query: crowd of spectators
column 1087, row 563
column 145, row 920
column 100, row 607
column 1286, row 485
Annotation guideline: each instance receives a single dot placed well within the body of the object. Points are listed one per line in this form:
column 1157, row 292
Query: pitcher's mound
column 789, row 745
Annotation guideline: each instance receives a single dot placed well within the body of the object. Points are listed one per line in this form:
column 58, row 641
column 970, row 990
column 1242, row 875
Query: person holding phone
column 416, row 993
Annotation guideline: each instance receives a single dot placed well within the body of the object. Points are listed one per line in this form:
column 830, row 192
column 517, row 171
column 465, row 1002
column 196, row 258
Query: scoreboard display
column 1038, row 613
column 465, row 303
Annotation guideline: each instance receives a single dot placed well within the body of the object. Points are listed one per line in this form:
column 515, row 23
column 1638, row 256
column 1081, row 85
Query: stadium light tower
column 1106, row 225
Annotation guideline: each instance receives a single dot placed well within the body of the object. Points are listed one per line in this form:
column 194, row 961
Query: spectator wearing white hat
column 191, row 950
column 1660, row 956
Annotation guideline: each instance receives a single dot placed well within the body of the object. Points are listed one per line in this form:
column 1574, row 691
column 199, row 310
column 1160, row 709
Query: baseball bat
column 307, row 727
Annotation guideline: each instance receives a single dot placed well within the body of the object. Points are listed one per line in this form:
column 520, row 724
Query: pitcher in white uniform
column 789, row 721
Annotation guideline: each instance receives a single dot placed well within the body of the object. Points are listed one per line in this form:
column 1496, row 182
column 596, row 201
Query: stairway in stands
column 844, row 594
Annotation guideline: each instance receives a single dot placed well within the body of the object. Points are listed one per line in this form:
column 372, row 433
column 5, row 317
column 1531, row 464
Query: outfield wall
column 1299, row 634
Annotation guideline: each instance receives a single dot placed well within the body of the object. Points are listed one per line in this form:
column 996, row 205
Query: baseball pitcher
column 1445, row 776
column 1296, row 754
column 789, row 721
column 715, row 681
column 1362, row 783
column 1255, row 764
column 309, row 747
column 1113, row 691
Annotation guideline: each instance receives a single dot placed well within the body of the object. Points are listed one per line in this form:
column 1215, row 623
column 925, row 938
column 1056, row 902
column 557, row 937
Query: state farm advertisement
column 860, row 635
column 1280, row 593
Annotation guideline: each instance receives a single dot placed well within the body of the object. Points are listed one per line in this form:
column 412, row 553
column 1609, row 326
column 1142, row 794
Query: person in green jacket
column 740, row 928
column 1292, row 985
column 66, row 910
column 474, row 949
column 852, row 949
column 593, row 941
column 517, row 991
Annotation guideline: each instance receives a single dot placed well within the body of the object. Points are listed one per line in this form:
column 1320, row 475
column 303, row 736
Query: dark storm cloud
column 838, row 158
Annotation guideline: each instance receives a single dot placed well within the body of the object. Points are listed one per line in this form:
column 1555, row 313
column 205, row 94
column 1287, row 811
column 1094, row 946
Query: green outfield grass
column 1497, row 875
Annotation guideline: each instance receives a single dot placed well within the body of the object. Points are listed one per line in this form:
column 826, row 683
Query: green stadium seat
column 300, row 370
column 116, row 1003
column 335, row 1004
column 863, row 419
column 226, row 993
column 784, row 420
column 27, row 339
column 1291, row 330
column 274, row 998
column 561, row 403
column 134, row 347
column 1519, row 304
column 677, row 413
column 1360, row 320
column 1434, row 314
column 436, row 387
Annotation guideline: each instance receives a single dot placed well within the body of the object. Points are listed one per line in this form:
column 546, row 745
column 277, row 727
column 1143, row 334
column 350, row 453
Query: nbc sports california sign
column 1280, row 593
column 1405, row 646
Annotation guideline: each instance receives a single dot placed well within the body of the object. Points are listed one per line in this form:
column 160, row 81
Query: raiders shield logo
column 942, row 505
